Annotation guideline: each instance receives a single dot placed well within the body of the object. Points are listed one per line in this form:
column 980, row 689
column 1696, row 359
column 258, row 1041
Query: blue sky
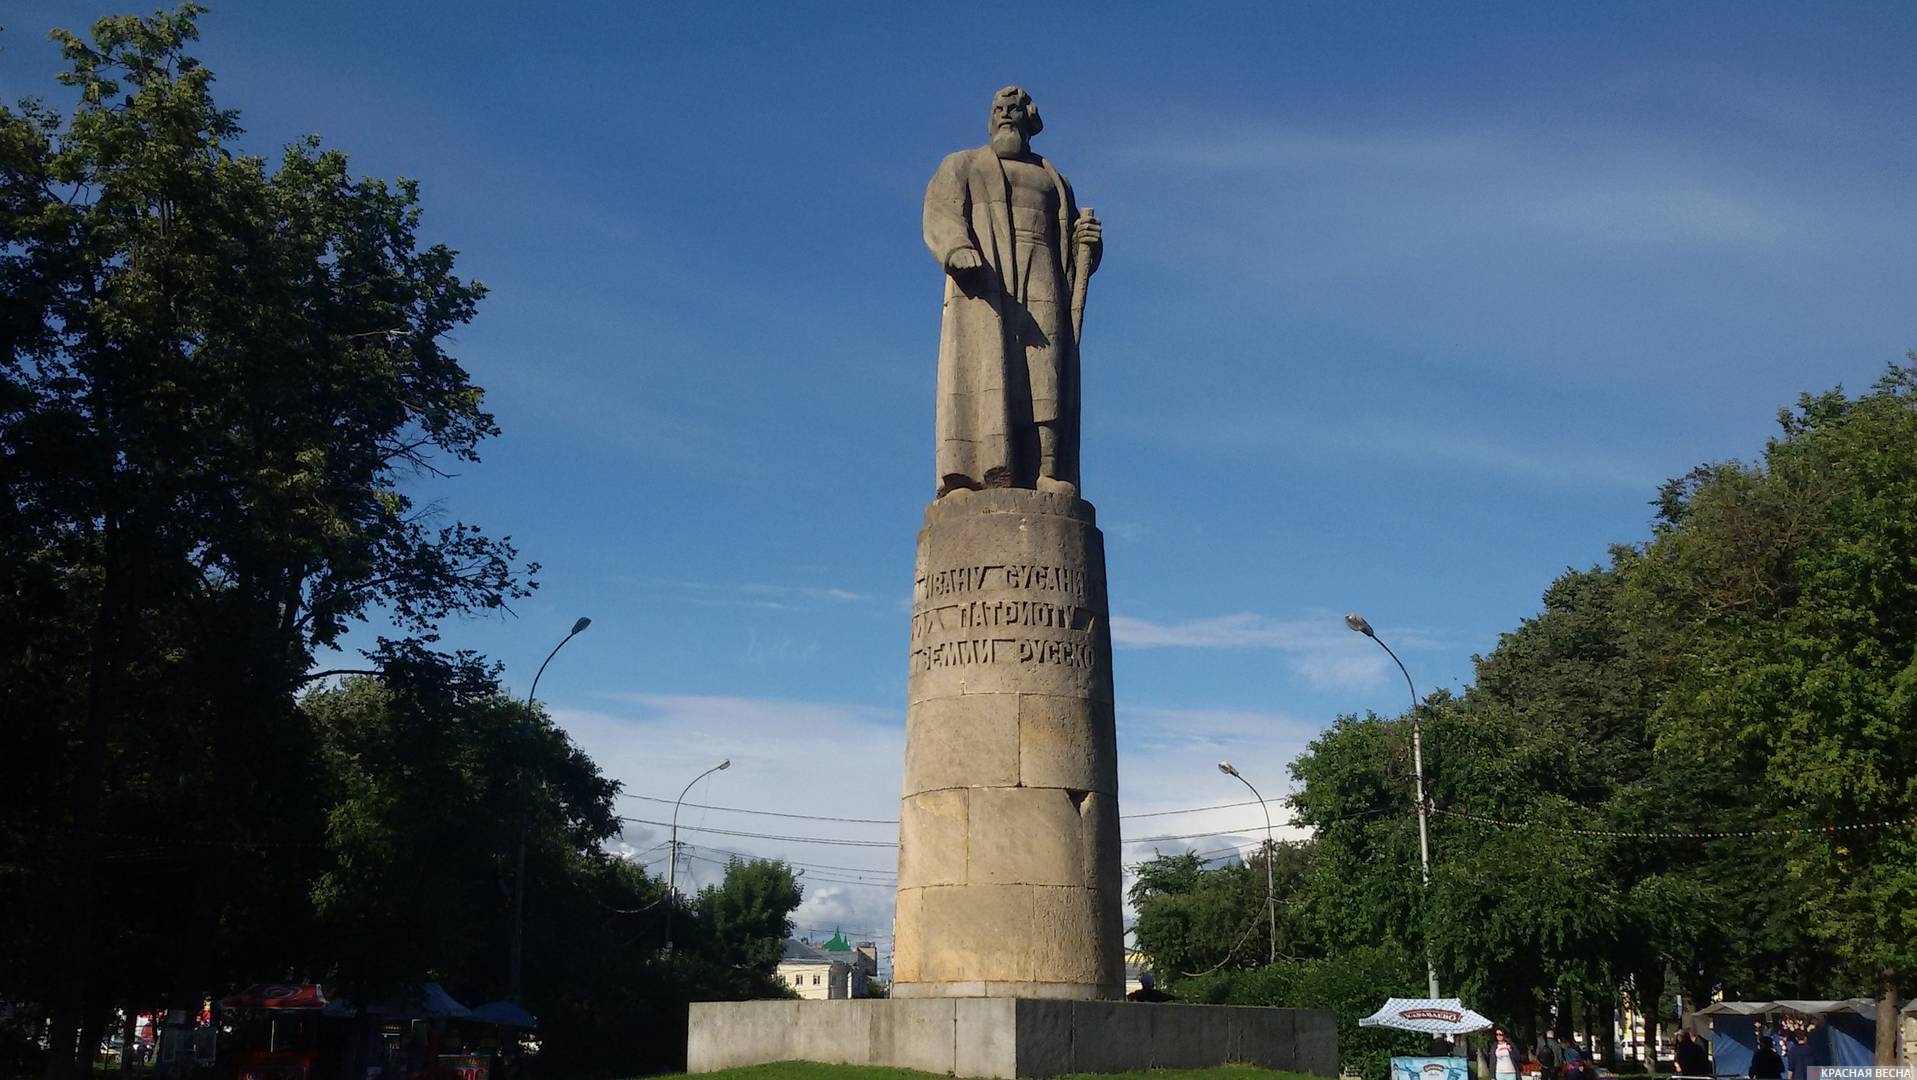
column 1405, row 309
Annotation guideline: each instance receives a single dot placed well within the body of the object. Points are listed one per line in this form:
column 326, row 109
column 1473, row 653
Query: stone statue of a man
column 1003, row 224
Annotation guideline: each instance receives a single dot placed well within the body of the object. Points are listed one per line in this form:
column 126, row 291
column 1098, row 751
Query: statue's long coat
column 988, row 400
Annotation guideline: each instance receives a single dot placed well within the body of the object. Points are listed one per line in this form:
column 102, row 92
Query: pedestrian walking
column 1504, row 1057
column 1550, row 1055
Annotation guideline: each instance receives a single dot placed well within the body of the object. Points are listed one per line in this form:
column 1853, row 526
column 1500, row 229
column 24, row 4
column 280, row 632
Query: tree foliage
column 1751, row 667
column 218, row 374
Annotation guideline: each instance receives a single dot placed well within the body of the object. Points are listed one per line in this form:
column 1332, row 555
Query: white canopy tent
column 1432, row 1016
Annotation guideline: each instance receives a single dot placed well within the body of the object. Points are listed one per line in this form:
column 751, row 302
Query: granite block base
column 1009, row 1037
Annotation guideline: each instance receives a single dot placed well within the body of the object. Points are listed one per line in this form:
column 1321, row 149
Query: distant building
column 834, row 969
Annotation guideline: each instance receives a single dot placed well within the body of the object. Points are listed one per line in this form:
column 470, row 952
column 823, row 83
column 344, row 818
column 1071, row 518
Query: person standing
column 1691, row 1059
column 1504, row 1057
column 1797, row 1054
column 1550, row 1055
column 1765, row 1064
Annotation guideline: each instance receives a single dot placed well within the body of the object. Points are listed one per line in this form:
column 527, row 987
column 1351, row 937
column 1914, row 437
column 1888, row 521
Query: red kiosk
column 275, row 1030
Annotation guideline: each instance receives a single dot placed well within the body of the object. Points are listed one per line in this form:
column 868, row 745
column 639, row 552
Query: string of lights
column 1681, row 834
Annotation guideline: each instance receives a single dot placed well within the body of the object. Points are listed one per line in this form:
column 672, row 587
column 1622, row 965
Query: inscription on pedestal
column 956, row 610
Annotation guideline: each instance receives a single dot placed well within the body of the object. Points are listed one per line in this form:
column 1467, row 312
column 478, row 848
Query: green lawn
column 806, row 1070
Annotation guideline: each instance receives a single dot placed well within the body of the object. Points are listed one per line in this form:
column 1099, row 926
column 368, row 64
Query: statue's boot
column 1048, row 462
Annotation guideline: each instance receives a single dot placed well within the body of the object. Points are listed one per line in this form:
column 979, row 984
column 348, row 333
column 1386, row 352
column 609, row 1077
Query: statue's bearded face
column 1014, row 121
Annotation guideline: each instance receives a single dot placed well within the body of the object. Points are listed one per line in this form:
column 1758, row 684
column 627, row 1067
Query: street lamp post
column 672, row 864
column 525, row 818
column 1357, row 622
column 1271, row 855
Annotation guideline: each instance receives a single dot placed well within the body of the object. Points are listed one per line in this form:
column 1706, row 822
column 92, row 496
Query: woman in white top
column 1504, row 1058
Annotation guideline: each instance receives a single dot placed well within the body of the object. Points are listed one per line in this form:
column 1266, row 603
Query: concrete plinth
column 1009, row 877
column 1009, row 1037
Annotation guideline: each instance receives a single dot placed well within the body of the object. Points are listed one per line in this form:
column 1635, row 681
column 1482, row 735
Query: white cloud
column 1589, row 189
column 1318, row 647
column 815, row 758
column 777, row 597
column 1549, row 460
column 843, row 761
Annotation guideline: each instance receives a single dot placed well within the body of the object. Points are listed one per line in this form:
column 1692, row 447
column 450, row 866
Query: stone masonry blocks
column 1067, row 742
column 1035, row 837
column 933, row 837
column 907, row 939
column 1269, row 1041
column 1063, row 922
column 962, row 741
column 965, row 930
column 1009, row 871
column 1315, row 1042
column 1109, row 1038
column 987, row 1032
column 1008, row 1037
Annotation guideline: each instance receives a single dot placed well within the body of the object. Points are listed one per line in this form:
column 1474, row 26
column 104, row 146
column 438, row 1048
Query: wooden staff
column 1079, row 281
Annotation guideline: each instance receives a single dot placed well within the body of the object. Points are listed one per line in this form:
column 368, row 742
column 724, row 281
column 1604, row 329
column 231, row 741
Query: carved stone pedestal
column 1009, row 876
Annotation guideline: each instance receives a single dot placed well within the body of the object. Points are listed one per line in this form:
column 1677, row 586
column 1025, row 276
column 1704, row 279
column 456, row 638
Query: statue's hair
column 1031, row 108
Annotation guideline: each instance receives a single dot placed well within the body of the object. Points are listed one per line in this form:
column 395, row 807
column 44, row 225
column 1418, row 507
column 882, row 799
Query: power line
column 886, row 878
column 1196, row 809
column 895, row 821
column 810, row 876
column 763, row 813
column 1189, row 836
column 843, row 881
column 794, row 862
column 857, row 931
column 766, row 836
column 893, row 844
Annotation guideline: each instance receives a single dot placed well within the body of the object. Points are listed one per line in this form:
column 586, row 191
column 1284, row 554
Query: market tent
column 1845, row 1035
column 1432, row 1016
column 1849, row 1039
column 504, row 1014
column 1733, row 1034
column 277, row 996
column 420, row 1001
column 1862, row 1006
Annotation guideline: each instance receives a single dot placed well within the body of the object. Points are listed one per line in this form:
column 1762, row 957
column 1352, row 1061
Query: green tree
column 742, row 922
column 1192, row 919
column 424, row 779
column 1788, row 593
column 215, row 373
column 1351, row 984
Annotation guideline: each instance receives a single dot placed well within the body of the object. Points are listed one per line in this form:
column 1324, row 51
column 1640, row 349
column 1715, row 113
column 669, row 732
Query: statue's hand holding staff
column 1088, row 237
column 1086, row 230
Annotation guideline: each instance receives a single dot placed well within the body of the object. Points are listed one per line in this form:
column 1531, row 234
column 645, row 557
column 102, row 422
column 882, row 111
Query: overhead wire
column 893, row 884
column 764, row 836
column 842, row 842
column 895, row 821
